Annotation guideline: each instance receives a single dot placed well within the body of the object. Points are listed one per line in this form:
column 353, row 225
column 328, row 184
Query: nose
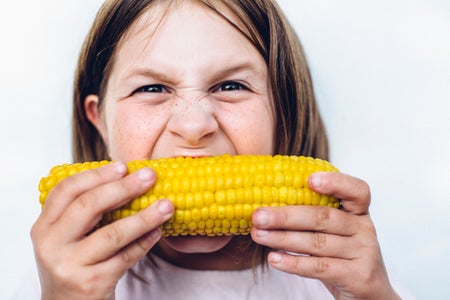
column 193, row 120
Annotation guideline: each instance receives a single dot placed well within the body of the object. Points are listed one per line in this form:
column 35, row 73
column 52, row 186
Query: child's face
column 194, row 86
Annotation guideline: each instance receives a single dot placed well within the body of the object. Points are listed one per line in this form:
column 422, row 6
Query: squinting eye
column 153, row 88
column 231, row 86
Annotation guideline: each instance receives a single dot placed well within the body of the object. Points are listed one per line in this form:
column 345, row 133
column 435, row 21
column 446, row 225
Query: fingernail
column 165, row 207
column 262, row 233
column 274, row 257
column 261, row 218
column 120, row 167
column 315, row 180
column 145, row 174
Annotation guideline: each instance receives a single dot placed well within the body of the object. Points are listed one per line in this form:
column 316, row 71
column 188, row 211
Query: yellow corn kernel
column 214, row 195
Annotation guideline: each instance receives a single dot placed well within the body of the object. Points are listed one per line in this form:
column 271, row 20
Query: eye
column 152, row 88
column 229, row 86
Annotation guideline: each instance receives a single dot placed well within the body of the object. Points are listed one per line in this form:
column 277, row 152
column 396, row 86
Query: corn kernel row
column 214, row 195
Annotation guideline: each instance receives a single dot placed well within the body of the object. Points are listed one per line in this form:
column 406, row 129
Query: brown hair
column 299, row 128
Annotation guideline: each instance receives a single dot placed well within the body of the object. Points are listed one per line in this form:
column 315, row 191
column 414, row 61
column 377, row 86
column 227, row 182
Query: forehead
column 157, row 13
column 183, row 35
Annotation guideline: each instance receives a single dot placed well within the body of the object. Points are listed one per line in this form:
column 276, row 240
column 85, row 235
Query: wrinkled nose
column 193, row 121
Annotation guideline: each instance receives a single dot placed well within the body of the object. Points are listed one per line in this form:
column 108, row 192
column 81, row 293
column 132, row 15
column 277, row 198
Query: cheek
column 251, row 130
column 133, row 134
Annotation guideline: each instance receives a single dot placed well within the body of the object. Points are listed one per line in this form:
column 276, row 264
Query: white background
column 381, row 70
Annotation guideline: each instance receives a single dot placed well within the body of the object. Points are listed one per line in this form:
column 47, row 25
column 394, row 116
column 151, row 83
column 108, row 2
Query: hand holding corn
column 338, row 246
column 77, row 263
column 215, row 195
column 341, row 244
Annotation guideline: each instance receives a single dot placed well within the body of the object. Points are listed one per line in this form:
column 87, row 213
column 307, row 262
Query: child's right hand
column 73, row 261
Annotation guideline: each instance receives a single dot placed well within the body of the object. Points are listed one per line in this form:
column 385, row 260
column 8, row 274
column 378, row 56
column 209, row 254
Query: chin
column 197, row 243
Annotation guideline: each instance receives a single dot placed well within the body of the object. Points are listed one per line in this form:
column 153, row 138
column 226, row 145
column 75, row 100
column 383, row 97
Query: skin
column 214, row 103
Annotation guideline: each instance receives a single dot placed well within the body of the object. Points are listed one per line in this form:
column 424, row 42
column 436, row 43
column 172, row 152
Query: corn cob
column 214, row 195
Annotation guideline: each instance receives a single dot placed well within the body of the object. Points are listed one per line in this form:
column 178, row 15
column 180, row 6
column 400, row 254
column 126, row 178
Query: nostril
column 193, row 121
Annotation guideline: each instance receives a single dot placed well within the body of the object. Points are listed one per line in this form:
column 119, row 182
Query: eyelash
column 152, row 88
column 227, row 86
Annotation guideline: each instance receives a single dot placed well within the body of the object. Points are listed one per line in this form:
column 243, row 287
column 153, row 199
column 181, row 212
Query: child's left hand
column 338, row 247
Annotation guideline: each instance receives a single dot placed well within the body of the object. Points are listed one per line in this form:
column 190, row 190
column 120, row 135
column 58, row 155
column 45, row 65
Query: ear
column 91, row 107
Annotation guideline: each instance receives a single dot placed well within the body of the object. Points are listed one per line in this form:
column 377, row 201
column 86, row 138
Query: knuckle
column 44, row 251
column 64, row 273
column 141, row 248
column 368, row 228
column 135, row 251
column 365, row 192
column 319, row 240
column 126, row 257
column 367, row 276
column 42, row 254
column 322, row 265
column 92, row 201
column 122, row 187
column 87, row 289
column 367, row 238
column 295, row 264
column 283, row 218
column 113, row 235
column 291, row 263
column 85, row 203
column 93, row 286
column 62, row 186
column 34, row 231
column 322, row 217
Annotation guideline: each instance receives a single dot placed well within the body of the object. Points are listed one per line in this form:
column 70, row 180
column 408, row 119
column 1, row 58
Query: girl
column 198, row 78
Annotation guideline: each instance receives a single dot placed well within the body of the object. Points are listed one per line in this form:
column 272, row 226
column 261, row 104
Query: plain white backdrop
column 381, row 71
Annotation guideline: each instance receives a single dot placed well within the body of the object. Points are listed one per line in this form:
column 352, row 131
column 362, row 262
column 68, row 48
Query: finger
column 312, row 243
column 353, row 192
column 322, row 268
column 123, row 260
column 70, row 188
column 305, row 218
column 86, row 211
column 107, row 241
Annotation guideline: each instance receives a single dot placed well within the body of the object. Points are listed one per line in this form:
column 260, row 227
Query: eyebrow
column 216, row 74
column 149, row 73
column 225, row 72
